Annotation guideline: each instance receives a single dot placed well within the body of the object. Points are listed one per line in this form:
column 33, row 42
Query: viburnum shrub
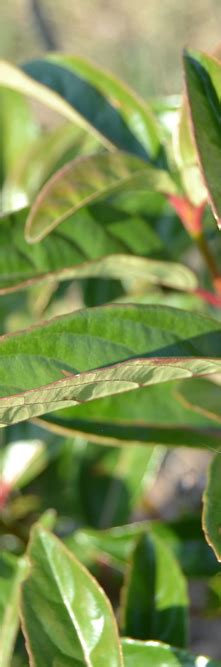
column 110, row 284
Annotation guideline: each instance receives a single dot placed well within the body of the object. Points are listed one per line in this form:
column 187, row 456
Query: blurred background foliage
column 141, row 42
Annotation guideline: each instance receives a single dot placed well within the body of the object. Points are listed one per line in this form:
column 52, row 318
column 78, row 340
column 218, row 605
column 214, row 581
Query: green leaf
column 203, row 79
column 66, row 616
column 21, row 461
column 63, row 255
column 187, row 158
column 18, row 132
column 106, row 103
column 157, row 654
column 87, row 179
column 12, row 572
column 13, row 78
column 184, row 537
column 103, row 351
column 201, row 396
column 154, row 599
column 212, row 507
column 154, row 416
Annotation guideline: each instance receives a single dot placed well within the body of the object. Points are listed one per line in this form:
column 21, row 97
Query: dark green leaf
column 154, row 600
column 212, row 507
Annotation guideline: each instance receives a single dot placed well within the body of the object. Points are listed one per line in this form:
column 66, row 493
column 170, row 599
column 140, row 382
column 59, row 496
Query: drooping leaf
column 212, row 506
column 106, row 103
column 203, row 79
column 99, row 352
column 154, row 600
column 64, row 255
column 88, row 179
column 161, row 655
column 66, row 616
column 153, row 416
column 12, row 572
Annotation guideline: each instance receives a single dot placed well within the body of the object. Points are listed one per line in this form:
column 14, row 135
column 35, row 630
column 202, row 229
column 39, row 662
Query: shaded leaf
column 12, row 572
column 154, row 599
column 87, row 179
column 66, row 615
column 212, row 507
column 106, row 103
column 99, row 352
column 202, row 396
column 203, row 79
column 161, row 655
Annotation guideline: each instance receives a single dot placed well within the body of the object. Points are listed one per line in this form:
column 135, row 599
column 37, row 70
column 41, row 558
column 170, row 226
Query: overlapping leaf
column 66, row 615
column 212, row 506
column 99, row 352
column 102, row 100
column 69, row 252
column 88, row 179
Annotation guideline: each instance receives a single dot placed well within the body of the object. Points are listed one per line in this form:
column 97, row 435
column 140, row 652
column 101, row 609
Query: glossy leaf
column 69, row 253
column 88, row 179
column 154, row 600
column 203, row 79
column 12, row 572
column 161, row 655
column 66, row 616
column 106, row 103
column 212, row 507
column 153, row 416
column 99, row 352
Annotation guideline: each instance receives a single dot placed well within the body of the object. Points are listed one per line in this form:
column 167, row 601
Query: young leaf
column 154, row 598
column 12, row 572
column 99, row 352
column 66, row 616
column 87, row 179
column 212, row 507
column 106, row 103
column 203, row 80
column 157, row 654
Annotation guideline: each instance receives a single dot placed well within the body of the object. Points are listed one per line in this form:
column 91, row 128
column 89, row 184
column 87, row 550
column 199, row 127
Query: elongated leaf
column 203, row 78
column 85, row 180
column 161, row 655
column 100, row 352
column 15, row 79
column 105, row 102
column 212, row 507
column 61, row 257
column 66, row 616
column 154, row 600
column 154, row 416
column 12, row 571
column 187, row 158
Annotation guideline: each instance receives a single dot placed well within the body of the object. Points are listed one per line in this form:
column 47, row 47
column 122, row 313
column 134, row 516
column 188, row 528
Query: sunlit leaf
column 12, row 571
column 161, row 655
column 65, row 614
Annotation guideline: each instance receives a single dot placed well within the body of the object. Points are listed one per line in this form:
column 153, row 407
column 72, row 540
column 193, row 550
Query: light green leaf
column 212, row 506
column 106, row 103
column 144, row 654
column 102, row 351
column 22, row 460
column 12, row 572
column 154, row 598
column 88, row 179
column 66, row 616
column 154, row 416
column 203, row 79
